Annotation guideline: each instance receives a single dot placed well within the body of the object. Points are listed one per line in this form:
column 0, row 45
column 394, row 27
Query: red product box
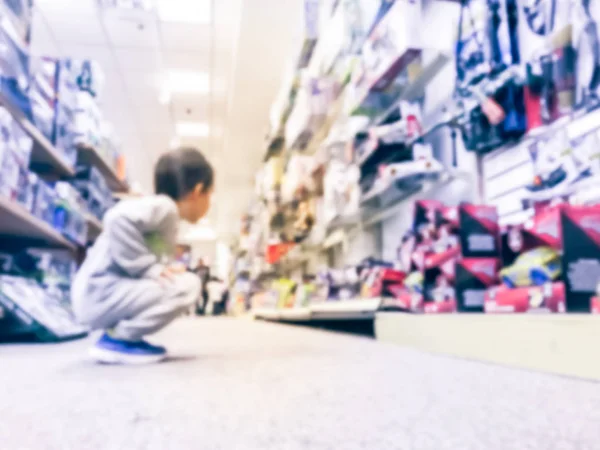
column 479, row 231
column 543, row 230
column 473, row 278
column 449, row 215
column 378, row 281
column 581, row 255
column 445, row 307
column 444, row 261
column 426, row 212
column 548, row 298
column 403, row 299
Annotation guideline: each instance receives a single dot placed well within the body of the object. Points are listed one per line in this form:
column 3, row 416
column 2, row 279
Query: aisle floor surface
column 239, row 384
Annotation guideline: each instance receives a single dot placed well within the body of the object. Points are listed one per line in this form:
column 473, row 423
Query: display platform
column 554, row 343
column 355, row 309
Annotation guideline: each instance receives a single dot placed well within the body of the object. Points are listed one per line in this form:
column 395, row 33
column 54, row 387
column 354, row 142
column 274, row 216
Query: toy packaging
column 473, row 278
column 479, row 231
column 38, row 309
column 15, row 35
column 581, row 255
column 393, row 44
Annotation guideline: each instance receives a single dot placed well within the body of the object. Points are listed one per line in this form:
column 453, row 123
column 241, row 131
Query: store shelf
column 94, row 227
column 354, row 309
column 416, row 88
column 89, row 155
column 16, row 221
column 555, row 343
column 267, row 314
column 45, row 157
column 323, row 131
column 345, row 309
column 295, row 314
column 425, row 189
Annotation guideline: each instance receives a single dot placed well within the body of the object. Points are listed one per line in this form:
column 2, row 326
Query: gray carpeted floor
column 238, row 384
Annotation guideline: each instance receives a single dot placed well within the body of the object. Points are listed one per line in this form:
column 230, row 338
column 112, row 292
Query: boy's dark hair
column 178, row 172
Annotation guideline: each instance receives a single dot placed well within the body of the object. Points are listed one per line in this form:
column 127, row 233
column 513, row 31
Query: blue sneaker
column 109, row 350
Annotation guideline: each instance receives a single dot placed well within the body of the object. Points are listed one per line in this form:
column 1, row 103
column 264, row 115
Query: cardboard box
column 581, row 255
column 473, row 278
column 548, row 298
column 479, row 231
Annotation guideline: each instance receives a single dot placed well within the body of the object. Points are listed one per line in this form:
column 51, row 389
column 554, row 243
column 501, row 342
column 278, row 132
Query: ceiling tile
column 132, row 31
column 70, row 27
column 176, row 36
column 190, row 60
column 42, row 40
column 68, row 7
column 188, row 110
column 100, row 53
column 138, row 59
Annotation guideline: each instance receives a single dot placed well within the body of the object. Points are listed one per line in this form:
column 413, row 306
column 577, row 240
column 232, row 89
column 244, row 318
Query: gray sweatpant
column 133, row 308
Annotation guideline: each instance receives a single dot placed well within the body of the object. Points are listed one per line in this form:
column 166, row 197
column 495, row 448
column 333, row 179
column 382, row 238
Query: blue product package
column 44, row 202
column 10, row 173
column 66, row 105
column 26, row 188
column 86, row 126
column 42, row 95
column 15, row 26
column 88, row 74
column 22, row 143
column 69, row 217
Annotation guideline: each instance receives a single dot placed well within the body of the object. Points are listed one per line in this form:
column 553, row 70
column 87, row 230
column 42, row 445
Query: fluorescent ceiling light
column 186, row 82
column 164, row 97
column 184, row 11
column 192, row 129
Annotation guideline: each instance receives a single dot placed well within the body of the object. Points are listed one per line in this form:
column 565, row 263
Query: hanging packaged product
column 546, row 37
column 587, row 45
column 473, row 52
column 562, row 168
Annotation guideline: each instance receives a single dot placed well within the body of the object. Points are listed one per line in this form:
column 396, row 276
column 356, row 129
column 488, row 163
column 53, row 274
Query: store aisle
column 238, row 384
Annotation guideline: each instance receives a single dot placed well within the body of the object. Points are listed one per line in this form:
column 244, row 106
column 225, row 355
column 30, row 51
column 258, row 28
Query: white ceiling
column 244, row 50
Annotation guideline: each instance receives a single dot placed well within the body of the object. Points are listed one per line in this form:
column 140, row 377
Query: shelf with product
column 45, row 157
column 90, row 156
column 52, row 200
column 506, row 118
